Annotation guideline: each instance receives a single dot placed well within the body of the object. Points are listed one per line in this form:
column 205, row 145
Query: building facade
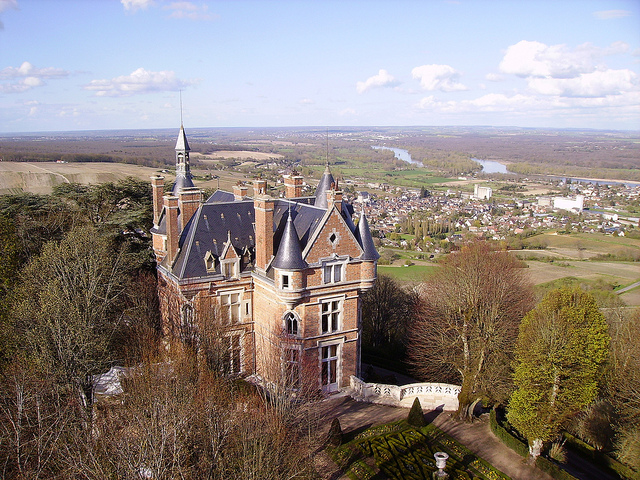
column 281, row 278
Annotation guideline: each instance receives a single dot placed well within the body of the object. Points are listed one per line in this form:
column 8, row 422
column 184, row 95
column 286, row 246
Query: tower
column 183, row 170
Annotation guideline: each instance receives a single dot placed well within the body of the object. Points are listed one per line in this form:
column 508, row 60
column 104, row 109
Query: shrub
column 416, row 416
column 335, row 433
column 558, row 452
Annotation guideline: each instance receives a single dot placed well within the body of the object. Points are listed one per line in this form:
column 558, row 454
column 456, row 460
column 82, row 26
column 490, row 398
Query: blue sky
column 110, row 64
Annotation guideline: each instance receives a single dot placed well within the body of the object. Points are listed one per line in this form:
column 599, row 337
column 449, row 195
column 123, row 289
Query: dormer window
column 230, row 268
column 210, row 262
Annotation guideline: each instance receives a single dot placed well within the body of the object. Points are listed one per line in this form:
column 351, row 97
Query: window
column 332, row 272
column 230, row 268
column 230, row 303
column 329, row 367
column 187, row 328
column 291, row 323
column 330, row 315
column 292, row 366
column 285, row 281
column 232, row 354
column 210, row 261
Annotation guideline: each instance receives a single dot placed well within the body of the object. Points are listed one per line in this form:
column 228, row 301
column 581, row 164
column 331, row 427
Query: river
column 488, row 166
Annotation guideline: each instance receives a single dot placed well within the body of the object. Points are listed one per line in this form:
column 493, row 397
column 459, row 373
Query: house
column 284, row 277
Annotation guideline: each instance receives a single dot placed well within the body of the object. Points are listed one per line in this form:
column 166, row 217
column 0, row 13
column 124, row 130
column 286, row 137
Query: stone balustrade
column 431, row 395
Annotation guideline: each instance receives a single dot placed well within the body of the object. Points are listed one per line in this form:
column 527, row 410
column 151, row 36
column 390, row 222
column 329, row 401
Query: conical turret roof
column 325, row 184
column 363, row 235
column 289, row 256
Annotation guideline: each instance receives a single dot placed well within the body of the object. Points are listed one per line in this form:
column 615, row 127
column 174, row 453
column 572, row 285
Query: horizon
column 123, row 65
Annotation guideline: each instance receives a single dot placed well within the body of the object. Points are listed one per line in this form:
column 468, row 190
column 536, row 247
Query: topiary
column 416, row 417
column 335, row 433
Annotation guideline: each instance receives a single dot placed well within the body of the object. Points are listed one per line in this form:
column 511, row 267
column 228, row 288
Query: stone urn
column 441, row 464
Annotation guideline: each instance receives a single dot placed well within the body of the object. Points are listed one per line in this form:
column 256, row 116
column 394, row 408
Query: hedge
column 522, row 449
column 587, row 451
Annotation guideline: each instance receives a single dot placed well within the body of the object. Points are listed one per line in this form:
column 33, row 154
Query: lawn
column 412, row 273
column 399, row 451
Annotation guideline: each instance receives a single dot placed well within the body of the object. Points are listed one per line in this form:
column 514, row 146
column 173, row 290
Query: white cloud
column 189, row 11
column 438, row 77
column 494, row 77
column 347, row 112
column 135, row 5
column 610, row 14
column 140, row 81
column 595, row 84
column 382, row 79
column 26, row 76
column 306, row 101
column 535, row 59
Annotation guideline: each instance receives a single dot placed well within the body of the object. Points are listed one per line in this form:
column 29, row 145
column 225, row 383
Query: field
column 564, row 256
column 41, row 177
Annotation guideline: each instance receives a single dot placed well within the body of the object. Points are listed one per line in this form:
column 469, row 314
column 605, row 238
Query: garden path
column 476, row 436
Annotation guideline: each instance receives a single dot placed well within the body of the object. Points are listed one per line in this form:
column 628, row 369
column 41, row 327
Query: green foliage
column 403, row 452
column 68, row 305
column 561, row 347
column 416, row 415
column 506, row 437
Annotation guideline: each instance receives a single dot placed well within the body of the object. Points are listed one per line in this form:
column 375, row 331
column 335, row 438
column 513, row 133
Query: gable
column 333, row 236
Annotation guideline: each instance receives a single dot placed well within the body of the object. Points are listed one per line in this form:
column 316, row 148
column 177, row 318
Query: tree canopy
column 561, row 347
column 468, row 323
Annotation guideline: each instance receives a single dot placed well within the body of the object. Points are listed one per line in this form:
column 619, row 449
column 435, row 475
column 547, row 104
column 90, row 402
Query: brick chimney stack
column 334, row 197
column 293, row 186
column 239, row 192
column 157, row 187
column 259, row 187
column 173, row 233
column 264, row 230
column 189, row 200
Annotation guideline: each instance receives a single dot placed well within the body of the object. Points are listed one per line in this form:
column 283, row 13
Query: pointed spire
column 181, row 143
column 289, row 256
column 363, row 235
column 183, row 169
column 325, row 184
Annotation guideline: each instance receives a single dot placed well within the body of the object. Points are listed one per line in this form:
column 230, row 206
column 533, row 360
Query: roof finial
column 181, row 108
column 327, row 146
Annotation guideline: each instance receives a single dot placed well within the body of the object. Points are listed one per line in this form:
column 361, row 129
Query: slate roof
column 289, row 256
column 321, row 191
column 182, row 144
column 208, row 230
column 182, row 182
column 363, row 235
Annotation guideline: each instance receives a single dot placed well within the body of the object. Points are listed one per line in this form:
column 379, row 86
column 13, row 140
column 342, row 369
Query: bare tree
column 468, row 323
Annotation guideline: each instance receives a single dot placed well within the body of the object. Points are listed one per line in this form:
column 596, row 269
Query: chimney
column 239, row 192
column 157, row 187
column 293, row 186
column 173, row 234
column 189, row 200
column 259, row 187
column 334, row 197
column 264, row 231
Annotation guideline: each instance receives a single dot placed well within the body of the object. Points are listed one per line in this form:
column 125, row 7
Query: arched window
column 291, row 323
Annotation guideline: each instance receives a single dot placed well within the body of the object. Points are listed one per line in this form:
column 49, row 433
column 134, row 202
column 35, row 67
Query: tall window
column 187, row 327
column 330, row 366
column 332, row 272
column 291, row 323
column 230, row 303
column 229, row 268
column 330, row 315
column 232, row 354
column 292, row 366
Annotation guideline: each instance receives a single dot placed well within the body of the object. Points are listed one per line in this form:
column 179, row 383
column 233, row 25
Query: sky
column 70, row 65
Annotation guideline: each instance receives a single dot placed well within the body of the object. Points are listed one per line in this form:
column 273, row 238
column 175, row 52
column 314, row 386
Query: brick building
column 280, row 275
